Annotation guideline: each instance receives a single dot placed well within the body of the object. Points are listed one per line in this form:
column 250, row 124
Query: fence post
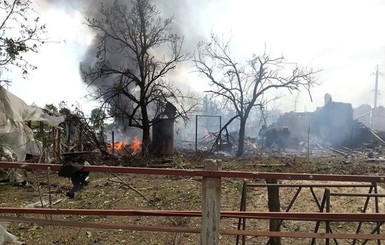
column 211, row 205
column 44, row 153
column 274, row 206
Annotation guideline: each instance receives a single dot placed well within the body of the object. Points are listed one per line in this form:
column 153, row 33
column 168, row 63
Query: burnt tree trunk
column 146, row 140
column 241, row 139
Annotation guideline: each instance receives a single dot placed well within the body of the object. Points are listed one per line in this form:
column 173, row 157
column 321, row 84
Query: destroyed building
column 331, row 125
column 373, row 118
column 363, row 114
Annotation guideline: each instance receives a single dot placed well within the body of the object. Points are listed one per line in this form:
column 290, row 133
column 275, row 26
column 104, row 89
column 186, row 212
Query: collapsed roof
column 15, row 135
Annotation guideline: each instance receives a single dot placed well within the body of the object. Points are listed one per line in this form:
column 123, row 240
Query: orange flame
column 121, row 146
column 117, row 146
column 135, row 145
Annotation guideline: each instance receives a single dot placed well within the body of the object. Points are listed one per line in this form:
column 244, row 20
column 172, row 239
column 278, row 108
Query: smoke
column 187, row 24
column 338, row 45
column 183, row 25
column 185, row 13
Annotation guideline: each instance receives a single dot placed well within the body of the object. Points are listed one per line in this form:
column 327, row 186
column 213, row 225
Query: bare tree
column 136, row 49
column 243, row 85
column 20, row 32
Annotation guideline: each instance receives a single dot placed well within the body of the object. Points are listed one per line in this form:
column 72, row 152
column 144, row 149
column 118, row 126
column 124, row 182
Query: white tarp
column 15, row 135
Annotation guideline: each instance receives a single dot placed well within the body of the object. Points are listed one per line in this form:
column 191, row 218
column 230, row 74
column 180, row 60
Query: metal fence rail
column 203, row 173
column 212, row 178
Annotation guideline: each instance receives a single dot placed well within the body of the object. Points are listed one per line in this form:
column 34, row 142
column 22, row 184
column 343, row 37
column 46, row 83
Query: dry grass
column 107, row 191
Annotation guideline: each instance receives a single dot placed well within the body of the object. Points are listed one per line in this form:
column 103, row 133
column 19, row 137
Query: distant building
column 330, row 125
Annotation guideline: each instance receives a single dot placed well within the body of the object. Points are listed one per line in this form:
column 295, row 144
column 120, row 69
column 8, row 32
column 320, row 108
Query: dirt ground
column 109, row 191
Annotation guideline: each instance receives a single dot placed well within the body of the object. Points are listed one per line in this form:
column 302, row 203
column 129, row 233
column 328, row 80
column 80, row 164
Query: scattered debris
column 38, row 204
column 6, row 237
column 72, row 169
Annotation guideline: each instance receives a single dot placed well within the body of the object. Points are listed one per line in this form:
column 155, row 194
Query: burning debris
column 122, row 147
column 135, row 145
column 116, row 147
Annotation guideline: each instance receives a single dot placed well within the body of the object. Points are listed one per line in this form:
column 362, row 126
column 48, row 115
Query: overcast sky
column 344, row 38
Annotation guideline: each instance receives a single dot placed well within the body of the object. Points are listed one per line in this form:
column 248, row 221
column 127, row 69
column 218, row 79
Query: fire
column 123, row 146
column 135, row 145
column 117, row 146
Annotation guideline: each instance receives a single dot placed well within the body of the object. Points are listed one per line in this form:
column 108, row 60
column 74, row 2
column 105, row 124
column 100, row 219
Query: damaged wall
column 297, row 123
column 333, row 123
column 363, row 114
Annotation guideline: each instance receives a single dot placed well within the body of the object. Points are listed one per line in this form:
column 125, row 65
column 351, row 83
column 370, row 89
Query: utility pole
column 377, row 73
column 295, row 102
